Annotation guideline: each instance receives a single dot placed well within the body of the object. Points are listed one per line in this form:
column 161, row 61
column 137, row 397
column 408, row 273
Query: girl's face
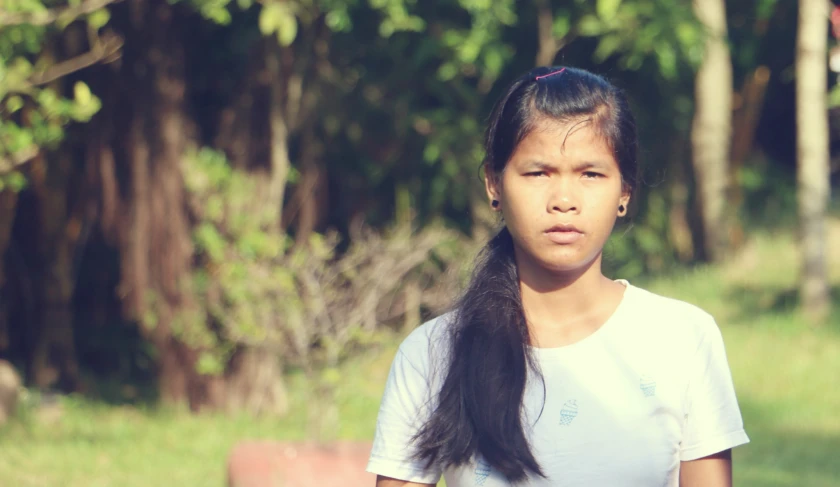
column 560, row 194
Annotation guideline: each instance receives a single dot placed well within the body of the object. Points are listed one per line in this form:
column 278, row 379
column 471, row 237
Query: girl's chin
column 566, row 259
column 566, row 265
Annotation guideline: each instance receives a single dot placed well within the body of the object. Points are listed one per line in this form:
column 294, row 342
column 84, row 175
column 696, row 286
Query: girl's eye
column 592, row 175
column 536, row 173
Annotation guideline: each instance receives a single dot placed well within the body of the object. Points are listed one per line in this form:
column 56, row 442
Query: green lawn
column 785, row 372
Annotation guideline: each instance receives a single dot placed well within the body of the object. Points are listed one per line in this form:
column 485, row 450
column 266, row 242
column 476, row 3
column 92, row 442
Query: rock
column 10, row 385
column 288, row 464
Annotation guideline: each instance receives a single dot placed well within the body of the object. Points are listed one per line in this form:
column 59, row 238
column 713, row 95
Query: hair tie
column 549, row 74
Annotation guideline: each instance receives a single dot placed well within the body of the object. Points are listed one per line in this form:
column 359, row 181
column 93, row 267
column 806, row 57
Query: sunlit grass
column 785, row 372
column 92, row 444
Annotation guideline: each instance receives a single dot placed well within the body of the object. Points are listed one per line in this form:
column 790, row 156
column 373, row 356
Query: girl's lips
column 564, row 236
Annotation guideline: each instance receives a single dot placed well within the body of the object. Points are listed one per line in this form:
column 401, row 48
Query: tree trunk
column 812, row 154
column 310, row 197
column 254, row 383
column 144, row 135
column 8, row 205
column 159, row 248
column 145, row 209
column 53, row 360
column 744, row 124
column 711, row 130
column 280, row 163
column 679, row 225
column 547, row 43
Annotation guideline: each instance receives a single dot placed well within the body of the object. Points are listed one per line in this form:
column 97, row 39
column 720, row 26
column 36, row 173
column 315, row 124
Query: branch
column 98, row 52
column 49, row 16
column 547, row 48
column 549, row 45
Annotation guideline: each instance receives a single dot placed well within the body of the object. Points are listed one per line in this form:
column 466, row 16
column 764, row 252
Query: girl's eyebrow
column 538, row 166
column 535, row 165
column 591, row 165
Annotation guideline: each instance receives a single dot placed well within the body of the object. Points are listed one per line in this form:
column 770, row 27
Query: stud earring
column 495, row 203
column 621, row 208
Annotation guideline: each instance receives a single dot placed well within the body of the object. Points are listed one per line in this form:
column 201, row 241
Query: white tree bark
column 812, row 153
column 712, row 127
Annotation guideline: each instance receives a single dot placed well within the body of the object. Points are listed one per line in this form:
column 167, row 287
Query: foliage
column 308, row 303
column 636, row 30
column 34, row 109
column 459, row 48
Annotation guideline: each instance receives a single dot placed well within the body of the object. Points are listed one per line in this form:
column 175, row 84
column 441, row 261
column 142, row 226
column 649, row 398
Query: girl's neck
column 563, row 307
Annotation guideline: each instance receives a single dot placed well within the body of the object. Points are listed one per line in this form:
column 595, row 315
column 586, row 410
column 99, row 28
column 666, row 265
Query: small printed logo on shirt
column 648, row 385
column 482, row 471
column 569, row 412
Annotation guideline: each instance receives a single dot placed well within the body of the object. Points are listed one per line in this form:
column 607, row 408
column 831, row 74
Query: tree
column 274, row 128
column 812, row 154
column 712, row 128
column 39, row 48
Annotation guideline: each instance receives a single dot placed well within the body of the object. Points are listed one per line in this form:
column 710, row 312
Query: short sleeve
column 404, row 409
column 713, row 420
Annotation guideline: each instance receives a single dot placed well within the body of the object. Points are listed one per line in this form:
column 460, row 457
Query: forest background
column 221, row 216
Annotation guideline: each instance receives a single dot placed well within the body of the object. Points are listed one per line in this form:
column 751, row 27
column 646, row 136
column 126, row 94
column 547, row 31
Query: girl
column 547, row 373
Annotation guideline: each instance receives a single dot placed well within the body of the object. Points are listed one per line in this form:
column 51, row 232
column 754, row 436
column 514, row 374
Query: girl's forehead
column 549, row 128
column 565, row 140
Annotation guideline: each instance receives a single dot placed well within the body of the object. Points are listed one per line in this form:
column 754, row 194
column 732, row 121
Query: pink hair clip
column 550, row 74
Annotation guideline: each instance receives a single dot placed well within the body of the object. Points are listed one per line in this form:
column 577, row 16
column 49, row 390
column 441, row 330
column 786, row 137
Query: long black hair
column 479, row 407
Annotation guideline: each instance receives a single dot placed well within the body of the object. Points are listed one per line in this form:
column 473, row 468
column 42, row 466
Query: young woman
column 548, row 373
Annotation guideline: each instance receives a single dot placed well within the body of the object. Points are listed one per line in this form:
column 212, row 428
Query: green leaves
column 396, row 17
column 47, row 114
column 277, row 18
column 834, row 96
column 764, row 8
column 590, row 26
column 99, row 18
column 339, row 20
column 607, row 9
column 85, row 104
column 210, row 241
column 14, row 76
column 607, row 46
column 637, row 30
column 32, row 116
column 209, row 364
column 216, row 11
column 562, row 26
column 14, row 181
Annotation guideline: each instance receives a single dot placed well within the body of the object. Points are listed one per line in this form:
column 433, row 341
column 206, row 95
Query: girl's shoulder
column 670, row 316
column 426, row 343
column 659, row 304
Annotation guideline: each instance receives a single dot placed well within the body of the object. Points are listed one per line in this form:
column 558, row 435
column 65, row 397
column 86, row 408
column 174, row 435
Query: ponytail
column 479, row 406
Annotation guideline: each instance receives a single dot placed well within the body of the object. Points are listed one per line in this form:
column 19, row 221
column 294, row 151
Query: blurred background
column 219, row 218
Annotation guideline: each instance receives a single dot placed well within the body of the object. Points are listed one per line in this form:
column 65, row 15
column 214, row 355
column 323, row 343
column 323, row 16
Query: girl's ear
column 624, row 200
column 492, row 185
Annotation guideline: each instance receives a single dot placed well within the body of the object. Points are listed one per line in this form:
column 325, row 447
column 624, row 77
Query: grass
column 785, row 373
column 93, row 444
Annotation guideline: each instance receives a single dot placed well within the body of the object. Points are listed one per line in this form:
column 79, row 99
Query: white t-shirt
column 622, row 407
